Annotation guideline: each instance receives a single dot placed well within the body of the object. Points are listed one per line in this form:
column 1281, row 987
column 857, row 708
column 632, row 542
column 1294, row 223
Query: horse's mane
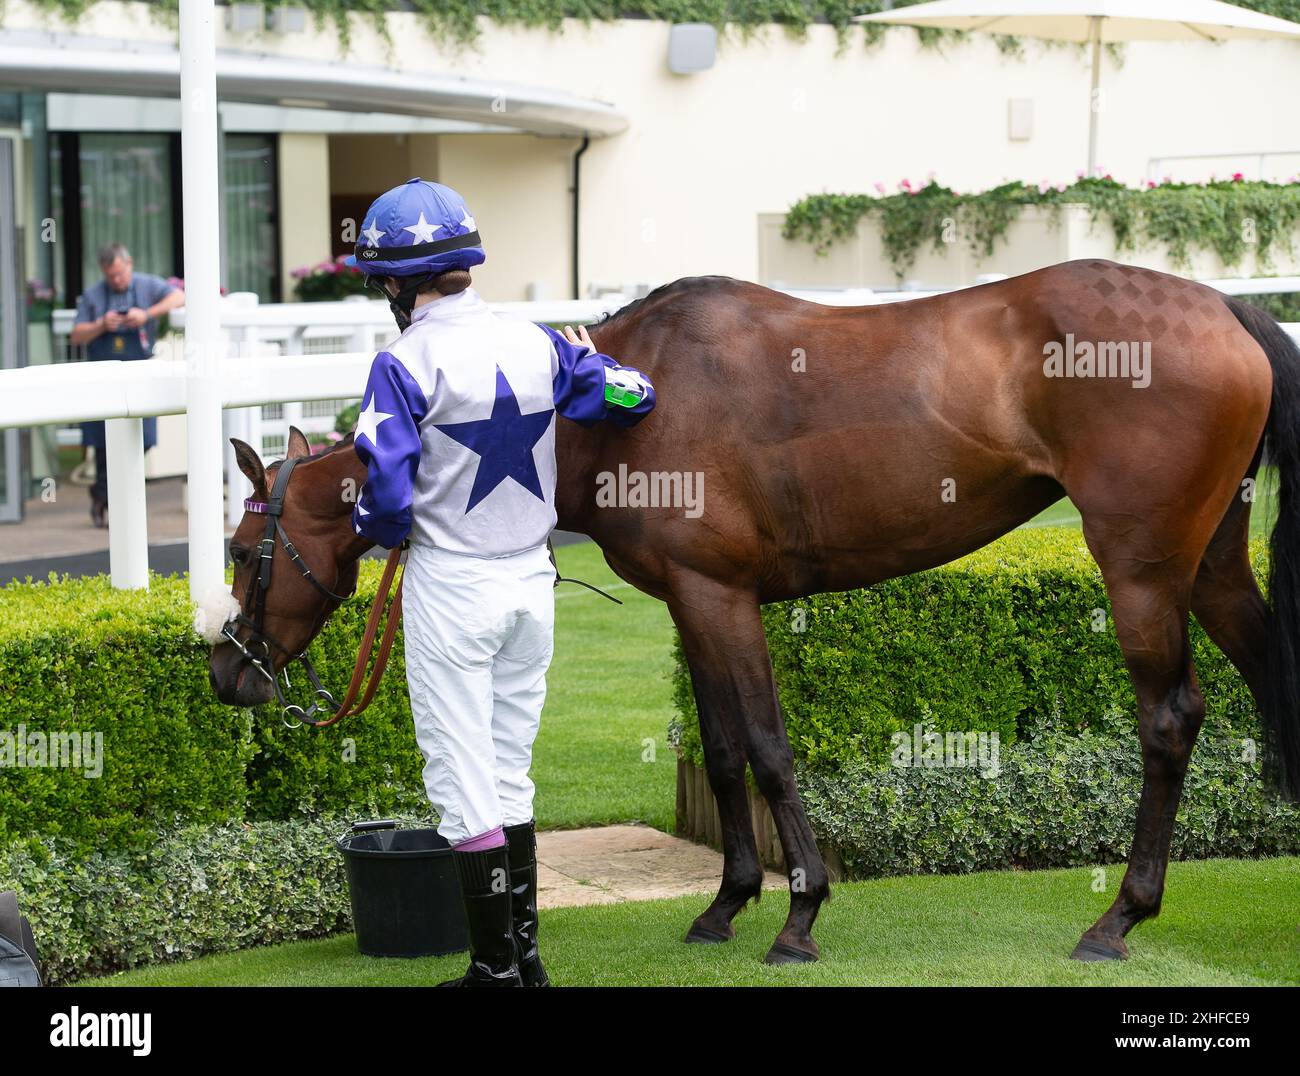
column 664, row 291
column 345, row 443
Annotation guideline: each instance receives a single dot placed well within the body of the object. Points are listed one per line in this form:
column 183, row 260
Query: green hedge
column 78, row 656
column 1000, row 641
column 195, row 890
column 1230, row 217
column 1060, row 800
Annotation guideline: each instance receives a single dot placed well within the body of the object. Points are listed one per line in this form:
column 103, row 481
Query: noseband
column 257, row 648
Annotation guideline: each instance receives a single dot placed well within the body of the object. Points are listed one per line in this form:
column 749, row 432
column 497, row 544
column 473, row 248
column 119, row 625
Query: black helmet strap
column 403, row 302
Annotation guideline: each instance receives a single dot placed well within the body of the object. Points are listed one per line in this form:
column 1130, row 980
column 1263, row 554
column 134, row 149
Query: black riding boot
column 485, row 888
column 522, row 842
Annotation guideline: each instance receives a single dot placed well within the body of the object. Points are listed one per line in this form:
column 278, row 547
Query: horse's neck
column 338, row 487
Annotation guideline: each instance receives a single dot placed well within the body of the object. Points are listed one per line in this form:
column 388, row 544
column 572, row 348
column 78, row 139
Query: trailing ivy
column 456, row 21
column 1227, row 217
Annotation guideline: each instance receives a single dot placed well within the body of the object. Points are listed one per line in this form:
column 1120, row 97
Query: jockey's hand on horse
column 581, row 337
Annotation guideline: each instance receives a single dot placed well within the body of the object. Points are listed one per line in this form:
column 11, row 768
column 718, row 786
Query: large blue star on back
column 504, row 444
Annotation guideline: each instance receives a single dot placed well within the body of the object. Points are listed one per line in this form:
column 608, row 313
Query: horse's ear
column 250, row 463
column 298, row 444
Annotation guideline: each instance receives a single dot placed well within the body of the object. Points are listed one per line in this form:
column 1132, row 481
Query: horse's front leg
column 709, row 650
column 735, row 692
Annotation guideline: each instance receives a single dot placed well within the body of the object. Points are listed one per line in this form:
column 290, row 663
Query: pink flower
column 906, row 185
column 880, row 187
column 1237, row 177
column 1151, row 184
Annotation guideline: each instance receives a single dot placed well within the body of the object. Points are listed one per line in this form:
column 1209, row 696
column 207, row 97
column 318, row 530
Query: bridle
column 257, row 647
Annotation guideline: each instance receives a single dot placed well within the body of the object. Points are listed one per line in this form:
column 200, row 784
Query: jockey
column 457, row 432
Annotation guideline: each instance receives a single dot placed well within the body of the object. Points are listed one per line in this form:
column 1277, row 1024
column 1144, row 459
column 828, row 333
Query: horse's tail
column 1280, row 709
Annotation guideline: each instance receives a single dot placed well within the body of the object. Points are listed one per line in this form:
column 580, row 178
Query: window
column 126, row 197
column 252, row 251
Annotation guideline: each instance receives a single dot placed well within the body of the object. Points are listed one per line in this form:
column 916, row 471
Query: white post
column 238, row 419
column 1094, row 102
column 128, row 536
column 199, row 199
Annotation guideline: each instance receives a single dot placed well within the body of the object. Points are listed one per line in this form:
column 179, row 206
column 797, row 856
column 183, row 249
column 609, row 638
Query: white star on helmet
column 422, row 230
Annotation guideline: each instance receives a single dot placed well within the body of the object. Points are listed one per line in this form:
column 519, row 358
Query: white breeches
column 478, row 640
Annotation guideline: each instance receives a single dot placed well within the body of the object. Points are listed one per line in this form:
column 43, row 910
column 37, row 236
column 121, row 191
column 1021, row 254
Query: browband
column 251, row 505
column 420, row 250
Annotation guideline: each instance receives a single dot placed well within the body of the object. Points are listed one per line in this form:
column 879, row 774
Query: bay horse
column 843, row 446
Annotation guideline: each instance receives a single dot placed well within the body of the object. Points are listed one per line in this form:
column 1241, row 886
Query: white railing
column 123, row 393
column 295, row 330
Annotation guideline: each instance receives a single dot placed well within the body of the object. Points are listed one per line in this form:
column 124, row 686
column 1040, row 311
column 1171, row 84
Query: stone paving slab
column 611, row 864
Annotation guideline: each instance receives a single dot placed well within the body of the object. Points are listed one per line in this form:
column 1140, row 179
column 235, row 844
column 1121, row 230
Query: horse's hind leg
column 722, row 635
column 1150, row 592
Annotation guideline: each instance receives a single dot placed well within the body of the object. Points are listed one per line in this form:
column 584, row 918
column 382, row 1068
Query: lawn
column 601, row 755
column 1225, row 922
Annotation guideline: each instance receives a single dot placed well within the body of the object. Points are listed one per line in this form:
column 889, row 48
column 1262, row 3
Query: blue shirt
column 144, row 291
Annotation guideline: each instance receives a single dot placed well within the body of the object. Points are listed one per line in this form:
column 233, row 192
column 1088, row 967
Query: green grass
column 609, row 702
column 1225, row 922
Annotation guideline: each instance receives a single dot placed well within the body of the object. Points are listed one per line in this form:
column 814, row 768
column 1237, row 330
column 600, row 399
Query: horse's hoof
column 780, row 953
column 1090, row 950
column 701, row 935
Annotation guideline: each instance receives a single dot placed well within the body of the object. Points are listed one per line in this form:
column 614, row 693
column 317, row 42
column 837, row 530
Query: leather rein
column 257, row 647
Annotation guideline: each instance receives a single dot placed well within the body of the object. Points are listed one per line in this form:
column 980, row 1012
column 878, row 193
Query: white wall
column 778, row 118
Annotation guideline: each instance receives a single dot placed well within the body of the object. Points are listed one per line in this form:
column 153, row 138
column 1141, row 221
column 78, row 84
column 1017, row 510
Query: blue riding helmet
column 417, row 230
column 419, row 227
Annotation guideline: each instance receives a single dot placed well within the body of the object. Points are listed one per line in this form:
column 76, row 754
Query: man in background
column 117, row 318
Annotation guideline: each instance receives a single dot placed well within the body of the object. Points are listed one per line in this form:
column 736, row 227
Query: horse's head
column 295, row 557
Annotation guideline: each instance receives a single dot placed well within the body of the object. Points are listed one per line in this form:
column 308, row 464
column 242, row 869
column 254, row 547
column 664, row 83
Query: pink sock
column 493, row 838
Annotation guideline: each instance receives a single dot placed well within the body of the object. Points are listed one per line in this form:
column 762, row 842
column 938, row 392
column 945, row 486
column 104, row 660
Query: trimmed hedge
column 1000, row 641
column 1060, row 800
column 196, row 890
column 78, row 656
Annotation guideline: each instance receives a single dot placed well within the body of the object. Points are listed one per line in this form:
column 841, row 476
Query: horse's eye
column 238, row 556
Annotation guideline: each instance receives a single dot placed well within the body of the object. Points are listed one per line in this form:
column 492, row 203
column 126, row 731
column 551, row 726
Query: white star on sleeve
column 469, row 224
column 361, row 509
column 368, row 422
column 422, row 230
column 373, row 234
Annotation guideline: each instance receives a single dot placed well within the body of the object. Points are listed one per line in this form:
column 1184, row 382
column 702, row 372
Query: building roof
column 40, row 60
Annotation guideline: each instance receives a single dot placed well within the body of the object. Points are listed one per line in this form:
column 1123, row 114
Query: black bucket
column 405, row 896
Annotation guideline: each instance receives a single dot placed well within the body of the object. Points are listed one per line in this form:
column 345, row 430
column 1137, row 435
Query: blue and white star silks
column 457, row 430
column 504, row 443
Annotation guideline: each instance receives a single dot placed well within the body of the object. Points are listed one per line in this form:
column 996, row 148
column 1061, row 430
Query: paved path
column 611, row 864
